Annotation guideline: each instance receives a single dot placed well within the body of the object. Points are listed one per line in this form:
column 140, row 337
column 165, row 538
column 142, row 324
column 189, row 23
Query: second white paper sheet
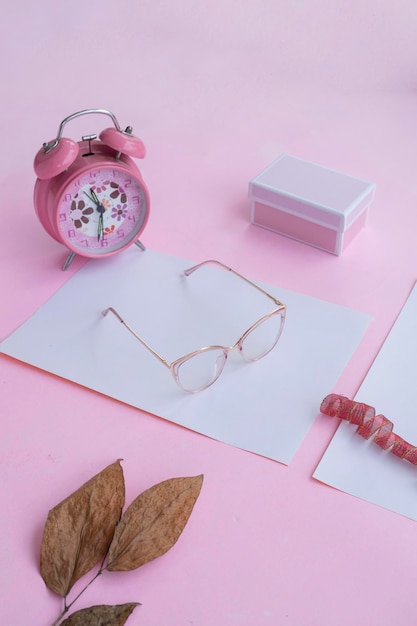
column 265, row 407
column 358, row 466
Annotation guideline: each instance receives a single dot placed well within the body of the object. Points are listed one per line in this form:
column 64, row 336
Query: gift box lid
column 315, row 192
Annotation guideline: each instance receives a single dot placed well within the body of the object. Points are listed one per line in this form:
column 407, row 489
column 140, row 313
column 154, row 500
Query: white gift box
column 310, row 203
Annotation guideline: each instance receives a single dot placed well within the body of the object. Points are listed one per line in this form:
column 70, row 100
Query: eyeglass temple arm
column 190, row 270
column 142, row 341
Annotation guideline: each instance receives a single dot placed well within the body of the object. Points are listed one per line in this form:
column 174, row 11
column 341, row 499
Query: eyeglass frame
column 175, row 365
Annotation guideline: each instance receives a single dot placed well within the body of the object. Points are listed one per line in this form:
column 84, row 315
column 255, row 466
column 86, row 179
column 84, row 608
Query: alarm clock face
column 102, row 211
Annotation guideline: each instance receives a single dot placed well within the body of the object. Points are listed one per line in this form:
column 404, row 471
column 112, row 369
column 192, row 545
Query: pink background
column 216, row 90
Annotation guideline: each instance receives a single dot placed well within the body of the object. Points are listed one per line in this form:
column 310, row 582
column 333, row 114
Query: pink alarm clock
column 90, row 195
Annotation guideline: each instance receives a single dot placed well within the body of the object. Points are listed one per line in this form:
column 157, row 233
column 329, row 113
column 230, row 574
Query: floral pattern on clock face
column 102, row 210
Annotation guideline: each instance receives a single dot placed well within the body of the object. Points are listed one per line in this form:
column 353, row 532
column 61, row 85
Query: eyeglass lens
column 201, row 369
column 262, row 338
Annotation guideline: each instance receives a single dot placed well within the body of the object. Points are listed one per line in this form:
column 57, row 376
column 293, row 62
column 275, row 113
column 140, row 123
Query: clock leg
column 68, row 261
column 140, row 245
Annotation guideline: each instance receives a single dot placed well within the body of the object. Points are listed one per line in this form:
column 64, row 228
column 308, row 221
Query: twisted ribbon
column 369, row 424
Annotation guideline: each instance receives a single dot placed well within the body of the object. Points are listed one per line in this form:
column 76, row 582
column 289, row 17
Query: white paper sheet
column 359, row 467
column 265, row 407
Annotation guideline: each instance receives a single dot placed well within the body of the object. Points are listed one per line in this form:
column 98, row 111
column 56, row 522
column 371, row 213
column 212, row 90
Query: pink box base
column 300, row 229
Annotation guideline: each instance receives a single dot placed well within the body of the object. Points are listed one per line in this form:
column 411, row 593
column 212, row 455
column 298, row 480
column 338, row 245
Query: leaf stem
column 68, row 606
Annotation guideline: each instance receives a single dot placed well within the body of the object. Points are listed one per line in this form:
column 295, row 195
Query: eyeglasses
column 198, row 370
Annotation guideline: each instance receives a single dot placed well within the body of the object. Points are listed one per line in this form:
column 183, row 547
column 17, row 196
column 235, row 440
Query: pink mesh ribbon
column 363, row 416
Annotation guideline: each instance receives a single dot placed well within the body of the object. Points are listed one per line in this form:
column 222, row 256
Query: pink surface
column 216, row 91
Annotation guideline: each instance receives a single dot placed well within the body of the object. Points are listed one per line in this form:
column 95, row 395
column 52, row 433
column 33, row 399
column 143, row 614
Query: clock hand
column 100, row 209
column 90, row 197
column 93, row 198
column 100, row 229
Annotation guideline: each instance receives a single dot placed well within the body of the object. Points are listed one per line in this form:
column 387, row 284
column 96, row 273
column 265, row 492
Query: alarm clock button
column 50, row 164
column 123, row 142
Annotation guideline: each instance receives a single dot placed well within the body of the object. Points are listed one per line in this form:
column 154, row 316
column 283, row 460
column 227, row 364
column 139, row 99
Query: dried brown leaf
column 78, row 531
column 153, row 522
column 101, row 615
